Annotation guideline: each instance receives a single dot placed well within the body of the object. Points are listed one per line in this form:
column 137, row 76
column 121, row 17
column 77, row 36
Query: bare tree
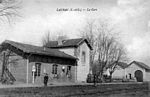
column 8, row 9
column 110, row 50
column 89, row 33
column 107, row 50
column 6, row 76
column 118, row 56
column 48, row 36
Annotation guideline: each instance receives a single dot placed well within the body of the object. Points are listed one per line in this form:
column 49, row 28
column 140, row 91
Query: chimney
column 60, row 40
column 148, row 26
column 44, row 48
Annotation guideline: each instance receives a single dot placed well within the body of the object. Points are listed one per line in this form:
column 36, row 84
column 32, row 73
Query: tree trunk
column 110, row 76
column 101, row 76
column 3, row 66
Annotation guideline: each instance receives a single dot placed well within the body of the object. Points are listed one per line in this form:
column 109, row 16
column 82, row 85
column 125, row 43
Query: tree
column 110, row 50
column 89, row 33
column 8, row 9
column 48, row 36
column 6, row 76
column 107, row 50
column 118, row 56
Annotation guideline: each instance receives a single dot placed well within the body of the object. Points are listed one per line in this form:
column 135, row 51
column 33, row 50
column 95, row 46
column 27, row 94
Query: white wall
column 147, row 78
column 83, row 68
column 69, row 51
column 119, row 73
column 132, row 68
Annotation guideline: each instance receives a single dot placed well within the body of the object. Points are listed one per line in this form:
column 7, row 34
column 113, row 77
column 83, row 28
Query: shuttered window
column 38, row 69
column 54, row 69
column 68, row 73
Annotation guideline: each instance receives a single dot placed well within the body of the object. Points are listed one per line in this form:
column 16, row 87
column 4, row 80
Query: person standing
column 45, row 79
column 95, row 79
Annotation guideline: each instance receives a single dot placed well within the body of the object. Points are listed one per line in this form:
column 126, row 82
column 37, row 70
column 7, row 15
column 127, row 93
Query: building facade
column 79, row 48
column 20, row 59
column 66, row 64
column 120, row 71
column 138, row 70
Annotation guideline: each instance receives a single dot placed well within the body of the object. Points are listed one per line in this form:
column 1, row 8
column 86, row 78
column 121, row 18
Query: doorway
column 139, row 75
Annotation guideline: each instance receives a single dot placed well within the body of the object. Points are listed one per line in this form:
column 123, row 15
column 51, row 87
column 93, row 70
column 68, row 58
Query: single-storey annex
column 120, row 71
column 135, row 71
column 138, row 70
column 46, row 60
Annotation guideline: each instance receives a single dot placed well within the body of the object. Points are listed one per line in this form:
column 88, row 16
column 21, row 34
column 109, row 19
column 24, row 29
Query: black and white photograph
column 74, row 48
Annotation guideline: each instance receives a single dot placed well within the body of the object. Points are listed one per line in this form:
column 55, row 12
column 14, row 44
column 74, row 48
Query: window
column 83, row 59
column 78, row 51
column 54, row 69
column 37, row 69
column 63, row 69
column 68, row 73
column 130, row 76
column 68, row 69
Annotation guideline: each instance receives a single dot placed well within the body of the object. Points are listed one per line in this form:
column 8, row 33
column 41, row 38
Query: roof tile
column 67, row 43
column 38, row 50
column 141, row 64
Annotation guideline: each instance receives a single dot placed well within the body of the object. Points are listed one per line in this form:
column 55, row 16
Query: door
column 139, row 75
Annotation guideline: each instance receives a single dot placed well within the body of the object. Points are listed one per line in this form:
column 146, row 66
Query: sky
column 131, row 18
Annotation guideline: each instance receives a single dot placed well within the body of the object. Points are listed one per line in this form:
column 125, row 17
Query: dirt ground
column 77, row 90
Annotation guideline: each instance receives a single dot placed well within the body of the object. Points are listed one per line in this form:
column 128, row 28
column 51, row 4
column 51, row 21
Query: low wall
column 72, row 90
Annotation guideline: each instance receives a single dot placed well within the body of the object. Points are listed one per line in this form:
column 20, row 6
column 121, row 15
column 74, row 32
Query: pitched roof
column 68, row 43
column 123, row 65
column 38, row 50
column 141, row 64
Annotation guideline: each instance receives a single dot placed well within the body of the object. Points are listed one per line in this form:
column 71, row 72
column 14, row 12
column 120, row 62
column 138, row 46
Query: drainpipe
column 125, row 73
column 144, row 75
column 76, row 70
column 27, row 76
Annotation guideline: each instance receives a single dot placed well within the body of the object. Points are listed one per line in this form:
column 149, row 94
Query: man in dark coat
column 95, row 79
column 45, row 79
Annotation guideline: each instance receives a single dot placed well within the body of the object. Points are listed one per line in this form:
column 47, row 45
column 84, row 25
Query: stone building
column 79, row 48
column 63, row 62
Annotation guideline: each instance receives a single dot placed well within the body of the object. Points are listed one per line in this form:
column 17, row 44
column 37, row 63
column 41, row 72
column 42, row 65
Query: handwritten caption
column 76, row 9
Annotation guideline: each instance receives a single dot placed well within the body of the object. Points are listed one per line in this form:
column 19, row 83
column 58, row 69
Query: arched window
column 83, row 59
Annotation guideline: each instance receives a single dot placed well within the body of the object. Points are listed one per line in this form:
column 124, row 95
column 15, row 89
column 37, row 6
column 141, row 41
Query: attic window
column 83, row 59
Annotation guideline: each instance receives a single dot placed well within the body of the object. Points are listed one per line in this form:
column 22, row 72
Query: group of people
column 62, row 76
